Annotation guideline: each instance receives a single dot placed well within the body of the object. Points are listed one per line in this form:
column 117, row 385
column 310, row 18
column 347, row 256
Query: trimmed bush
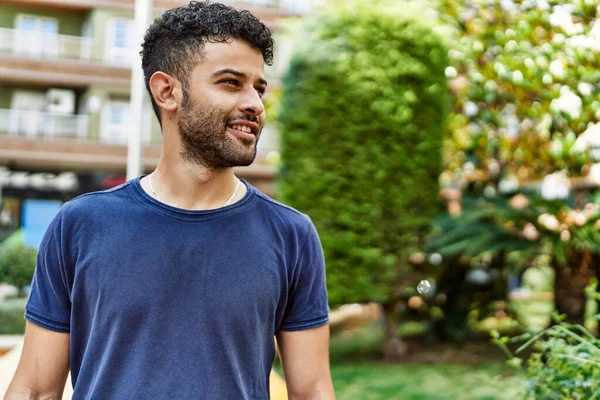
column 12, row 320
column 17, row 264
column 362, row 121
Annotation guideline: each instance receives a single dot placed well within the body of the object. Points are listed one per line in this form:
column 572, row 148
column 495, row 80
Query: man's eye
column 230, row 82
column 261, row 91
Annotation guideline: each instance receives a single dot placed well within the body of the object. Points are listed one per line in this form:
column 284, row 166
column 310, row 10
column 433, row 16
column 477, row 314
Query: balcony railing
column 41, row 44
column 35, row 124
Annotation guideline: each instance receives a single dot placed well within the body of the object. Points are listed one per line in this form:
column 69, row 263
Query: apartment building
column 65, row 68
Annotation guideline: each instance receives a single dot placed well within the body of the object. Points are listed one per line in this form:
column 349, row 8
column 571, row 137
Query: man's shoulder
column 283, row 211
column 86, row 203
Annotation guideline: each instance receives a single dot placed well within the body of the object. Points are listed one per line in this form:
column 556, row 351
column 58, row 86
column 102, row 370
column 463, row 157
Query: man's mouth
column 242, row 128
column 246, row 131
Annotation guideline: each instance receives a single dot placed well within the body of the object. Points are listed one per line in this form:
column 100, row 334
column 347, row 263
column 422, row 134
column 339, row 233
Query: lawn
column 375, row 381
column 475, row 371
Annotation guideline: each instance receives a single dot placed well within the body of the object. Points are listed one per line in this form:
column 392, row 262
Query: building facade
column 65, row 70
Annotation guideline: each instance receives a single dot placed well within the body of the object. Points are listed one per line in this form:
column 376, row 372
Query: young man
column 173, row 285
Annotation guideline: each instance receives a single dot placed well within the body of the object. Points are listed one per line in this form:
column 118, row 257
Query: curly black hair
column 174, row 42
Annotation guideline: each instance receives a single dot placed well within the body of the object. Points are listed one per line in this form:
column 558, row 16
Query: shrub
column 12, row 321
column 565, row 363
column 17, row 264
column 362, row 121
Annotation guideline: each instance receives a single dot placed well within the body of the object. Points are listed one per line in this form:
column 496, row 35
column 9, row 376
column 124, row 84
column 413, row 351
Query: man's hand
column 305, row 357
column 44, row 365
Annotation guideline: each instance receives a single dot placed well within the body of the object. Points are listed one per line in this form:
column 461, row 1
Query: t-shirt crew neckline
column 191, row 215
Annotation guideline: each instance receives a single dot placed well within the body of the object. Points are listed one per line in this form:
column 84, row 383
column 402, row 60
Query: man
column 173, row 285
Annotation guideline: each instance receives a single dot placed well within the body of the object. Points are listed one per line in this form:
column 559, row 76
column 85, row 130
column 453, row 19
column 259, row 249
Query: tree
column 498, row 224
column 362, row 120
column 524, row 77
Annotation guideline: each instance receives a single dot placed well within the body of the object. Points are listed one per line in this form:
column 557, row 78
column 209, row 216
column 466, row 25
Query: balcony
column 55, row 60
column 36, row 124
column 38, row 140
column 43, row 45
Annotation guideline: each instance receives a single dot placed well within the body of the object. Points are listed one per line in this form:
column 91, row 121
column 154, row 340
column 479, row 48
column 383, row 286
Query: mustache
column 243, row 117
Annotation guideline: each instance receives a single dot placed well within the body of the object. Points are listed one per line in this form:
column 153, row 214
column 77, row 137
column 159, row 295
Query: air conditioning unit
column 60, row 101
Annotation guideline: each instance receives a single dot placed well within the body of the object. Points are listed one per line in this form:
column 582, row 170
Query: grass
column 369, row 381
column 430, row 373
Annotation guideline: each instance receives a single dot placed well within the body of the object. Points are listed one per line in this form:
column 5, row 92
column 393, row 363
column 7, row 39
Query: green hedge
column 17, row 262
column 362, row 120
column 12, row 320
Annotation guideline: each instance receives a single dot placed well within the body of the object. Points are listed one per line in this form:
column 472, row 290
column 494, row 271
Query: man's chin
column 239, row 160
column 244, row 162
column 244, row 156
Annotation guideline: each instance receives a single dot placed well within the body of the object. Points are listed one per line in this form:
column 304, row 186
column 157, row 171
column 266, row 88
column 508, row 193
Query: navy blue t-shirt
column 165, row 303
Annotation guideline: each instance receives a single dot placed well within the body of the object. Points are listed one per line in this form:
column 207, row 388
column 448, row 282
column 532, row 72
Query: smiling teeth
column 242, row 128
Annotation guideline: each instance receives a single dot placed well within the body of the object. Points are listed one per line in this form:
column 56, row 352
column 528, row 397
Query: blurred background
column 448, row 152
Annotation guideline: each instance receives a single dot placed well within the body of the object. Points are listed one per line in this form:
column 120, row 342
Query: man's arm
column 305, row 357
column 44, row 366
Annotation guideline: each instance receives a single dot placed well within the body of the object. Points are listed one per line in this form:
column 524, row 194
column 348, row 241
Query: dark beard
column 205, row 142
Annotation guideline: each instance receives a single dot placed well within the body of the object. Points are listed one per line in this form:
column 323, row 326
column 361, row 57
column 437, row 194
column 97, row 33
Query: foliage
column 565, row 365
column 12, row 320
column 17, row 263
column 498, row 223
column 481, row 228
column 362, row 119
column 524, row 80
column 524, row 75
column 487, row 228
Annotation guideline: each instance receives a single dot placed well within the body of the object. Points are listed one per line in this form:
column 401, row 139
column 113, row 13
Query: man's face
column 222, row 117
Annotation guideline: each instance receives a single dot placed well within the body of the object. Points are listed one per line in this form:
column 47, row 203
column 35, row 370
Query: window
column 120, row 41
column 121, row 34
column 48, row 26
column 115, row 122
column 36, row 35
column 117, row 116
column 32, row 23
column 26, row 24
column 25, row 118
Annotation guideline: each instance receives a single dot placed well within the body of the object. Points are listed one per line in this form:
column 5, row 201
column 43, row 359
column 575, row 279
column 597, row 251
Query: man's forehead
column 234, row 54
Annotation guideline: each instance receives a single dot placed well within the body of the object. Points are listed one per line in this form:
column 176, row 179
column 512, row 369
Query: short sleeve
column 307, row 305
column 49, row 304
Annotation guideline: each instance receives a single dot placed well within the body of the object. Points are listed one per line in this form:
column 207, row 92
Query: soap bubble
column 424, row 287
column 435, row 259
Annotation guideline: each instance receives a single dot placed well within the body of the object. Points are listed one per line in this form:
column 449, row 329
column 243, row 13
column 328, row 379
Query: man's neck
column 192, row 187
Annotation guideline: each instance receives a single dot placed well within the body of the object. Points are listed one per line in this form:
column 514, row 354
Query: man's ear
column 166, row 91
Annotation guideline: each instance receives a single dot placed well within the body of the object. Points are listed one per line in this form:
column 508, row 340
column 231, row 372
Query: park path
column 8, row 365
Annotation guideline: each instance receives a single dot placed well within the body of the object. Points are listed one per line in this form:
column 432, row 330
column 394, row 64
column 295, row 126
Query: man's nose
column 251, row 103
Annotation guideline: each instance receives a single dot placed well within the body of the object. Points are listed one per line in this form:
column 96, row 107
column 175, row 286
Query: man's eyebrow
column 236, row 73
